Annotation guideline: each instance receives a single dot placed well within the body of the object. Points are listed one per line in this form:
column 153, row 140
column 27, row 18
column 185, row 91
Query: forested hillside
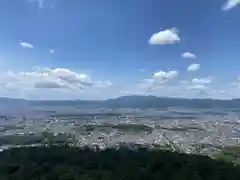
column 67, row 163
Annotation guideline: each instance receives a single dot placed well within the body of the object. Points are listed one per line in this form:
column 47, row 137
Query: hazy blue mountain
column 12, row 102
column 164, row 102
column 129, row 102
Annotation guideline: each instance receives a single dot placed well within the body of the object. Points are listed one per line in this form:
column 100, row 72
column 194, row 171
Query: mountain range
column 130, row 102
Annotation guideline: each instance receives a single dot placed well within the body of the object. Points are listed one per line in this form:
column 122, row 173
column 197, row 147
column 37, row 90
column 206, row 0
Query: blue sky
column 99, row 49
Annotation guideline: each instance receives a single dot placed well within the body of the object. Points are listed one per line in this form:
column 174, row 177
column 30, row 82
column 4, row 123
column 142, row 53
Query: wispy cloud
column 157, row 79
column 26, row 45
column 56, row 83
column 52, row 51
column 58, row 78
column 207, row 80
column 40, row 3
column 197, row 87
column 230, row 4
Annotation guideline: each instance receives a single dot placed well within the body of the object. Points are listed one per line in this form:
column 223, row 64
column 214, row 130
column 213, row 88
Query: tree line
column 72, row 163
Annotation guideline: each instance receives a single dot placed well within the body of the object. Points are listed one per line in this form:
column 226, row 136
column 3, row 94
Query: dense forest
column 68, row 163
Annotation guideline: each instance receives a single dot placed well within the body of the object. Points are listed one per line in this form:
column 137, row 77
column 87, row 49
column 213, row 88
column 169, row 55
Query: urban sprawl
column 108, row 128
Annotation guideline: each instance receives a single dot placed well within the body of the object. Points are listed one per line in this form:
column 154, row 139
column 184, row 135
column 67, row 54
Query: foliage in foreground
column 229, row 154
column 67, row 163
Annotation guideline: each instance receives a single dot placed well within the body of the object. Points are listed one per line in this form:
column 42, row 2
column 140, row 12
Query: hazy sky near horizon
column 99, row 49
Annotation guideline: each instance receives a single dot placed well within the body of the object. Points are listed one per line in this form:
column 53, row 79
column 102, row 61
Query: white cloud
column 50, row 85
column 197, row 87
column 157, row 78
column 103, row 84
column 148, row 80
column 230, row 4
column 68, row 76
column 168, row 36
column 63, row 83
column 59, row 78
column 156, row 81
column 58, row 83
column 52, row 51
column 164, row 76
column 26, row 45
column 207, row 80
column 171, row 90
column 193, row 67
column 188, row 55
column 236, row 83
column 157, row 85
